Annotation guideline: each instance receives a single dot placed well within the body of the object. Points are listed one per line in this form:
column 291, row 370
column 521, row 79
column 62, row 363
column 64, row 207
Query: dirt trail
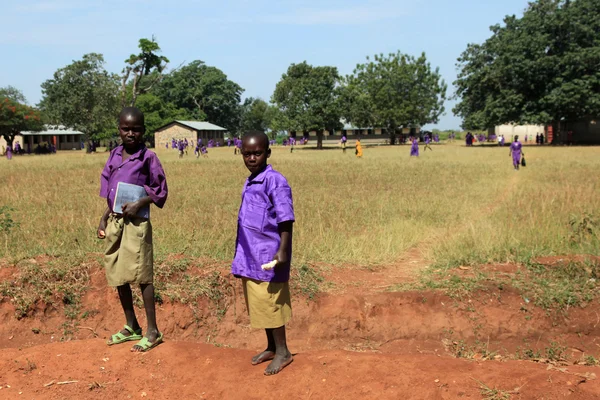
column 180, row 370
column 413, row 260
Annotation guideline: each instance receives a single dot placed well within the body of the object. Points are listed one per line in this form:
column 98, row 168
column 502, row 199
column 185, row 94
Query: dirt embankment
column 360, row 344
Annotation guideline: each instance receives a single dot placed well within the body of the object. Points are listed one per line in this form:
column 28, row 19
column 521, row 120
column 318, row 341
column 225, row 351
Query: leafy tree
column 394, row 91
column 157, row 113
column 82, row 96
column 255, row 115
column 540, row 69
column 205, row 92
column 308, row 99
column 16, row 118
column 146, row 67
column 12, row 93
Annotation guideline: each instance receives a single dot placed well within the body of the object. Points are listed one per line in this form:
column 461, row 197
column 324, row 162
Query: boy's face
column 131, row 131
column 255, row 153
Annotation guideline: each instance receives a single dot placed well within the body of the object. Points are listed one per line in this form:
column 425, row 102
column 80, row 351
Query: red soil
column 361, row 343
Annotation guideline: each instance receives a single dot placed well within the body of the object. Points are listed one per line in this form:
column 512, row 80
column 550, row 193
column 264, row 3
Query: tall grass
column 462, row 205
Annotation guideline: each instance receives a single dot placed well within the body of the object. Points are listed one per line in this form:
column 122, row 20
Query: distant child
column 516, row 152
column 414, row 148
column 264, row 237
column 129, row 252
column 427, row 143
column 358, row 151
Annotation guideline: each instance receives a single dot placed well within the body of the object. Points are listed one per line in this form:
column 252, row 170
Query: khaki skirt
column 129, row 256
column 269, row 303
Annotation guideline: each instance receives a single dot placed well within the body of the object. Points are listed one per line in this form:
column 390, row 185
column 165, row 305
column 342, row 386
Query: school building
column 62, row 138
column 585, row 131
column 190, row 130
column 353, row 132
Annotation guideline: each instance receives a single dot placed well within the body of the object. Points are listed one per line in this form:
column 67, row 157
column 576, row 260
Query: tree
column 205, row 92
column 157, row 113
column 394, row 91
column 255, row 115
column 16, row 118
column 147, row 68
column 539, row 69
column 12, row 93
column 82, row 96
column 308, row 99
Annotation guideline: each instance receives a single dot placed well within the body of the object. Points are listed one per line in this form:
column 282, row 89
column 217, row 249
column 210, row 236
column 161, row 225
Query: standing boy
column 264, row 237
column 129, row 253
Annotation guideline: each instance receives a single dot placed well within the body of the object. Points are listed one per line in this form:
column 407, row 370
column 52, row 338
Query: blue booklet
column 126, row 193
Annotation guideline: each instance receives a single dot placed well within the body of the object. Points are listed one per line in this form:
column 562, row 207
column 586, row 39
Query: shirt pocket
column 254, row 216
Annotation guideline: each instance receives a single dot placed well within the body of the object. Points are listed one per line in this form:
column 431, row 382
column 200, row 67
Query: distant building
column 61, row 137
column 584, row 131
column 510, row 130
column 351, row 131
column 190, row 130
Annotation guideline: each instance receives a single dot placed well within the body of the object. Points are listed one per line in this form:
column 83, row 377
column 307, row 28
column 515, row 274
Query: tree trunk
column 9, row 137
column 320, row 139
column 392, row 136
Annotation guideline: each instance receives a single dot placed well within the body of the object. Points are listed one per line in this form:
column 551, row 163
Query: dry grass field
column 460, row 205
column 444, row 276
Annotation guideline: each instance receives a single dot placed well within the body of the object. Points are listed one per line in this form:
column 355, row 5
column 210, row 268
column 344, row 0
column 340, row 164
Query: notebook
column 126, row 193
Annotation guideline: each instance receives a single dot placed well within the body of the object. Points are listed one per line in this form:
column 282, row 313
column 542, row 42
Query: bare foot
column 262, row 357
column 279, row 362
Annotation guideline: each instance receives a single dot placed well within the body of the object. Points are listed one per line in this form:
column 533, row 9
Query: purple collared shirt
column 266, row 202
column 141, row 168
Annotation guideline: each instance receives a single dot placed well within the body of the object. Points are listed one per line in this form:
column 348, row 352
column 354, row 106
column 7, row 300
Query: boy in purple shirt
column 264, row 236
column 129, row 252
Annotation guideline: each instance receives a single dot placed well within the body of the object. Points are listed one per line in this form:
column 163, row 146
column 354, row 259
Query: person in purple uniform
column 427, row 142
column 181, row 147
column 516, row 153
column 344, row 143
column 9, row 152
column 129, row 251
column 414, row 148
column 204, row 151
column 264, row 250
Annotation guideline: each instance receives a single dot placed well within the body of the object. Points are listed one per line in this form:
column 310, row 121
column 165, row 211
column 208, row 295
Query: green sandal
column 119, row 337
column 146, row 345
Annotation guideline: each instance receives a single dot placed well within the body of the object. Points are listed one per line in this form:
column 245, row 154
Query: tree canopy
column 16, row 117
column 147, row 68
column 205, row 92
column 540, row 69
column 255, row 115
column 307, row 98
column 83, row 96
column 394, row 91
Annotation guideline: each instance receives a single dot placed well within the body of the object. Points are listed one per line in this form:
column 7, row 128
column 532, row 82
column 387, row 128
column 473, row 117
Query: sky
column 253, row 42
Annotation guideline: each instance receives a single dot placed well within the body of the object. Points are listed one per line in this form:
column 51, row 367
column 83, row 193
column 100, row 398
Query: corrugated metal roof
column 53, row 131
column 202, row 125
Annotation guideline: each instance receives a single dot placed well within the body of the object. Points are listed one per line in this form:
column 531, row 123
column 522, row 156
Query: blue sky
column 253, row 42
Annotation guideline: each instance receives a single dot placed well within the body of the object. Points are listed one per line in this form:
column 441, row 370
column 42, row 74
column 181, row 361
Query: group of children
column 263, row 246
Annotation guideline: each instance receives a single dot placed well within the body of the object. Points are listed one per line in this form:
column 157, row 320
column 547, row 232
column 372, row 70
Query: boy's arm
column 285, row 232
column 102, row 225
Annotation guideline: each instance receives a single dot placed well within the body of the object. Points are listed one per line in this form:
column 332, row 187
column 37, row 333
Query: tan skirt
column 269, row 303
column 129, row 256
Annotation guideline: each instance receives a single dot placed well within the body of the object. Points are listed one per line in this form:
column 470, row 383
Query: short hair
column 134, row 112
column 258, row 135
column 516, row 137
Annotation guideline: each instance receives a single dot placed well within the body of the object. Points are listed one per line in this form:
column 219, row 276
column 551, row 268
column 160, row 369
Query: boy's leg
column 283, row 357
column 152, row 331
column 126, row 298
column 269, row 352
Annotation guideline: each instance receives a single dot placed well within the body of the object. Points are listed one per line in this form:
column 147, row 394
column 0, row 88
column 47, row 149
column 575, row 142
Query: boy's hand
column 102, row 229
column 282, row 257
column 131, row 209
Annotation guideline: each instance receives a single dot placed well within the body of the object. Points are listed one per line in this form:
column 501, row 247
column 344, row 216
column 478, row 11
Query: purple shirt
column 141, row 168
column 266, row 202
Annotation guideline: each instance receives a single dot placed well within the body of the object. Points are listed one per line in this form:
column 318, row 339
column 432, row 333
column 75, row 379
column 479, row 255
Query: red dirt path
column 358, row 343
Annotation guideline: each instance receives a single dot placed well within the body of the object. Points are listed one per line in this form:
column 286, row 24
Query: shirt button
column 119, row 169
